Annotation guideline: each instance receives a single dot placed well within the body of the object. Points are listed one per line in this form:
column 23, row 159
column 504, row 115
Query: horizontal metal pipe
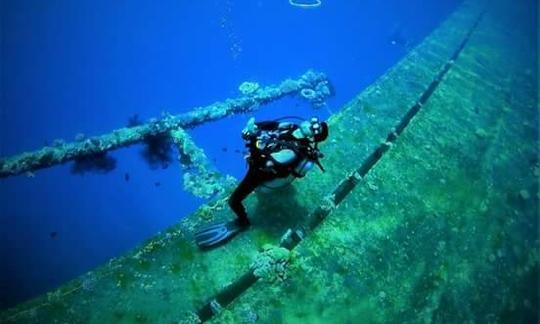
column 313, row 86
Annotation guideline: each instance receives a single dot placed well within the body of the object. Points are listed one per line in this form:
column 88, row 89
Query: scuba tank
column 303, row 168
column 299, row 172
column 269, row 140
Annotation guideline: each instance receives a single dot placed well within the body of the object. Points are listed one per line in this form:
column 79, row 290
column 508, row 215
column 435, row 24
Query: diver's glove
column 250, row 129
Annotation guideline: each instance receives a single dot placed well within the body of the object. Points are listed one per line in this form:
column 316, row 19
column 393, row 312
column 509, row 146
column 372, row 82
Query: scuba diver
column 279, row 152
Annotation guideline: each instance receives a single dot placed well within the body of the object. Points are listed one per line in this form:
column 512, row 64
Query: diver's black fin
column 217, row 234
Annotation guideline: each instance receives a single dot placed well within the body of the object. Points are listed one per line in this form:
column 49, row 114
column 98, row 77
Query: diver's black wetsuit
column 282, row 150
column 256, row 176
column 253, row 178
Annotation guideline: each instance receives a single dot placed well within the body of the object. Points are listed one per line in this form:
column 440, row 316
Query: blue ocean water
column 87, row 66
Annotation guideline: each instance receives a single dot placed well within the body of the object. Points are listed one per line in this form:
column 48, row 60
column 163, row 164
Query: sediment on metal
column 294, row 236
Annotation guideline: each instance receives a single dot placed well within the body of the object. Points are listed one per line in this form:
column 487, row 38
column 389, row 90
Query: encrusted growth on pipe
column 314, row 83
column 200, row 177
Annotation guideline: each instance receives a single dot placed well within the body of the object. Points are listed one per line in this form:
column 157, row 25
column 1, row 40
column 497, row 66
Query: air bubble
column 305, row 4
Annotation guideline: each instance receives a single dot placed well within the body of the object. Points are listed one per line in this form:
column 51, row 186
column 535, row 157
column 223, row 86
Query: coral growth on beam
column 200, row 176
column 63, row 152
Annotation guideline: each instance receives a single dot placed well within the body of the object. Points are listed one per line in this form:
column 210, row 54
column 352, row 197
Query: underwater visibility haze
column 295, row 161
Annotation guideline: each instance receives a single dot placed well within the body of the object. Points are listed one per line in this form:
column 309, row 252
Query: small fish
column 53, row 235
column 237, row 151
column 126, row 176
column 134, row 121
column 224, row 149
column 157, row 183
column 165, row 165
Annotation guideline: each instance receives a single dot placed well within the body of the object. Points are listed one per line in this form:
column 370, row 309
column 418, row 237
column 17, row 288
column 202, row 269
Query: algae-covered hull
column 427, row 211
